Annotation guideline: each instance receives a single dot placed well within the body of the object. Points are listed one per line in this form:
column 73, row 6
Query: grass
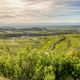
column 2, row 78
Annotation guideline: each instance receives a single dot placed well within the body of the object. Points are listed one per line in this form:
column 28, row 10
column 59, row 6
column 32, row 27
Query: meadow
column 55, row 57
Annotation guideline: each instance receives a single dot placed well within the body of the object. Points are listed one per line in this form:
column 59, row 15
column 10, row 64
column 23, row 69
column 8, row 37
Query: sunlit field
column 54, row 57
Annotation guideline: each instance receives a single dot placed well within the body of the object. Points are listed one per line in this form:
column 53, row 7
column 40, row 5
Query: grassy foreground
column 2, row 78
column 41, row 58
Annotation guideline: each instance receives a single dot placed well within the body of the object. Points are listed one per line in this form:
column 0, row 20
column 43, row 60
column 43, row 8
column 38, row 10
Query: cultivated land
column 39, row 54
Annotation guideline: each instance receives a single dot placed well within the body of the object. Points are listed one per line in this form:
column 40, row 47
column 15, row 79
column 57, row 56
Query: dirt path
column 58, row 42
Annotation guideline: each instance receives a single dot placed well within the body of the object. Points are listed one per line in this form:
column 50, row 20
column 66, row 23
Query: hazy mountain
column 47, row 25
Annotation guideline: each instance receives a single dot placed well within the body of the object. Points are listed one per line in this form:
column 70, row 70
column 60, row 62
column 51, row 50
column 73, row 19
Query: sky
column 39, row 11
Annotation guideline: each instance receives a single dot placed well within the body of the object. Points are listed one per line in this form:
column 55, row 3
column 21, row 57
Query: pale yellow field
column 2, row 78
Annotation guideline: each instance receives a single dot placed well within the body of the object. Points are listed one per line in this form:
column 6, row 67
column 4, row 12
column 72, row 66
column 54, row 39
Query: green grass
column 41, row 58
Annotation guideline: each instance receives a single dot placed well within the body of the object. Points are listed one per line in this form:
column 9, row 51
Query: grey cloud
column 6, row 16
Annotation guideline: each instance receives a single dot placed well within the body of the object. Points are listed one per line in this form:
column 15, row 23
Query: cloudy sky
column 39, row 11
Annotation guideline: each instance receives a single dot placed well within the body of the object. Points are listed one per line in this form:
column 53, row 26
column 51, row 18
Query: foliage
column 41, row 58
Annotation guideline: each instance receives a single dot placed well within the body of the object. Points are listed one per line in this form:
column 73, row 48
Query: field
column 55, row 57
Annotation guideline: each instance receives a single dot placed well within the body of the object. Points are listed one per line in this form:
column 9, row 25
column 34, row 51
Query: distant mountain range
column 46, row 25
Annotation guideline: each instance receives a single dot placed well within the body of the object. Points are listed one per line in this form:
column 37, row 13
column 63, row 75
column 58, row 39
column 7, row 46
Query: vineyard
column 54, row 57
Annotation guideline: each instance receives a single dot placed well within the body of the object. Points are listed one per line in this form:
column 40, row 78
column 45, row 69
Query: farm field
column 55, row 57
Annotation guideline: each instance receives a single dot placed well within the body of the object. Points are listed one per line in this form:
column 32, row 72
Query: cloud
column 52, row 10
column 6, row 16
